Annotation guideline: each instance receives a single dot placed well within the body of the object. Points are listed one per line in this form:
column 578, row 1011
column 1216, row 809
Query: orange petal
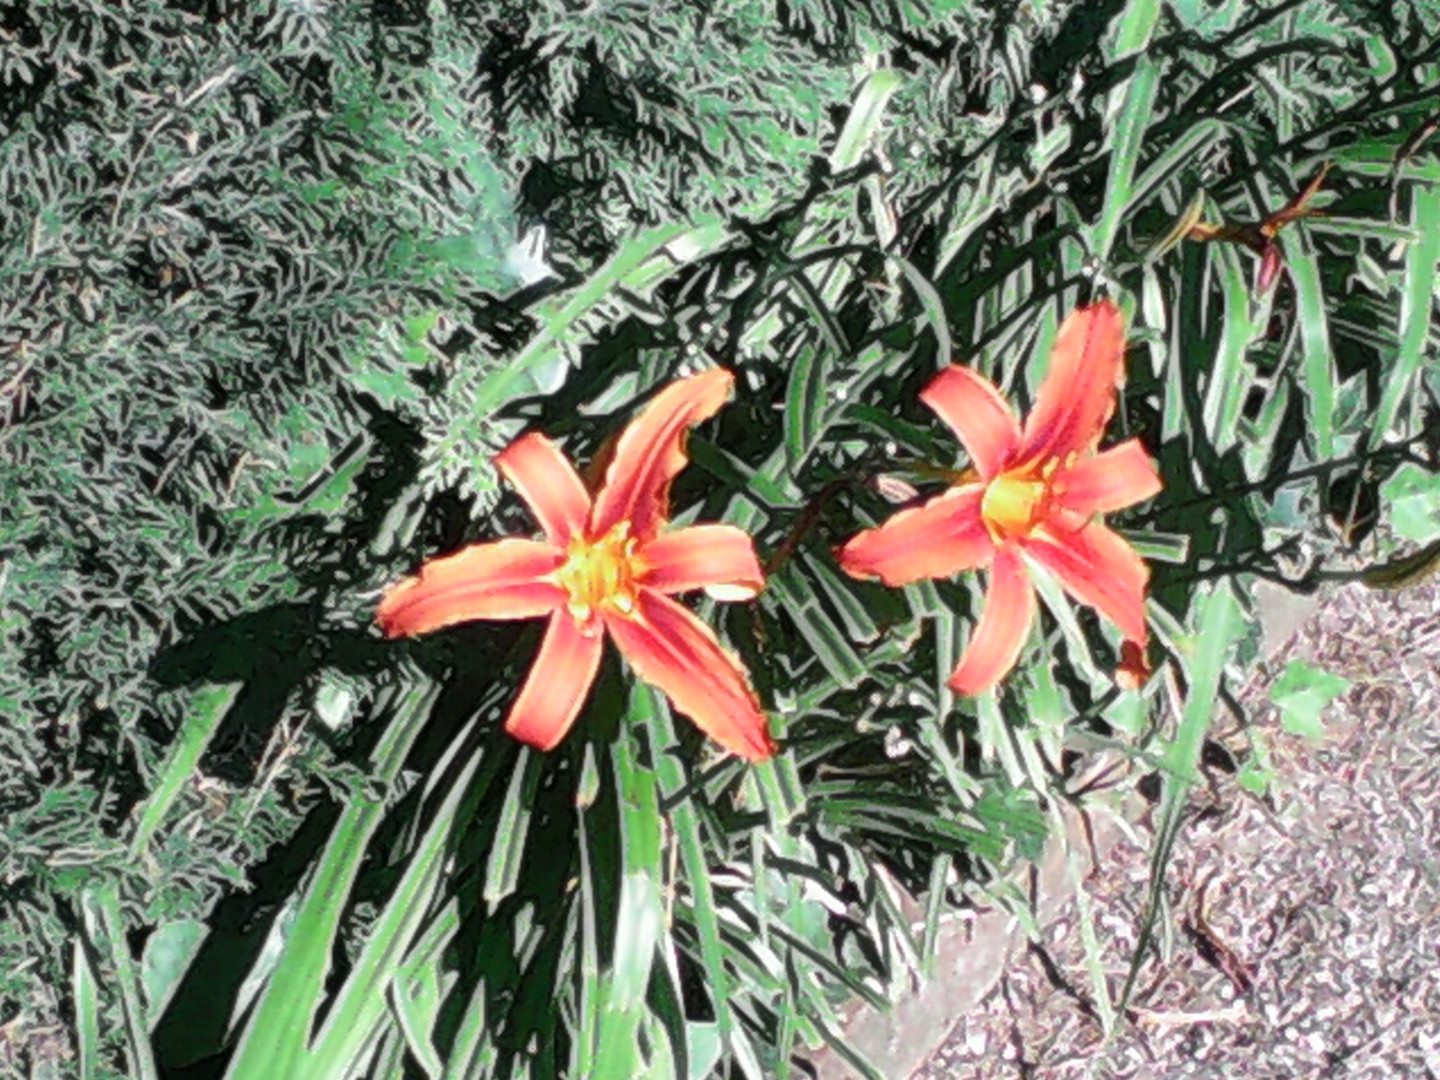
column 943, row 537
column 1078, row 393
column 500, row 580
column 1121, row 476
column 1097, row 567
column 651, row 451
column 558, row 683
column 700, row 556
column 1003, row 626
column 548, row 484
column 672, row 650
column 973, row 409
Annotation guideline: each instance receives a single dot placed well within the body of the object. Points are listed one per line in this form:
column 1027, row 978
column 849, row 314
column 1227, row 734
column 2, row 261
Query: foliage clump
column 263, row 318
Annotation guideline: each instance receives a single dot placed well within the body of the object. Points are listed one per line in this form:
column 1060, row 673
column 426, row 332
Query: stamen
column 600, row 573
column 1013, row 504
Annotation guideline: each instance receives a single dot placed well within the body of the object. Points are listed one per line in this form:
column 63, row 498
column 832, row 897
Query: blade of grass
column 637, row 267
column 417, row 992
column 962, row 785
column 1173, row 548
column 1416, row 310
column 1226, row 381
column 1094, row 957
column 168, row 953
column 705, row 1046
column 789, row 591
column 1127, row 137
column 822, row 1018
column 804, row 403
column 785, row 1037
column 473, row 1054
column 934, row 908
column 1074, row 854
column 640, row 918
column 274, row 1041
column 359, row 1005
column 685, row 823
column 931, row 305
column 1219, row 623
column 208, row 707
column 661, row 1064
column 587, row 1029
column 87, row 1012
column 1174, row 159
column 1133, row 28
column 1320, row 377
column 853, row 614
column 105, row 927
column 864, row 119
column 502, row 873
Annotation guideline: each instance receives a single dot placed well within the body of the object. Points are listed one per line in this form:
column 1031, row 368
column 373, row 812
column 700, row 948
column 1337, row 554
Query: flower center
column 1013, row 503
column 600, row 573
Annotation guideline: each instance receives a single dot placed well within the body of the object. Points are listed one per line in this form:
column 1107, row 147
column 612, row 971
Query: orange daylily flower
column 606, row 564
column 1032, row 492
column 1260, row 236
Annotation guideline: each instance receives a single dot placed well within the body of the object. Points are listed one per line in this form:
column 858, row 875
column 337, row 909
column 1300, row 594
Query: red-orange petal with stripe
column 1097, row 567
column 973, row 409
column 650, row 452
column 1077, row 395
column 549, row 485
column 701, row 556
column 504, row 579
column 1112, row 480
column 674, row 651
column 1004, row 624
column 558, row 683
column 938, row 539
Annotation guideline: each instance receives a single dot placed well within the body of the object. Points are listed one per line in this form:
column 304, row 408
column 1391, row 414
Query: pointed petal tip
column 752, row 743
column 651, row 451
column 558, row 684
column 763, row 748
column 1000, row 634
column 970, row 405
column 938, row 539
column 1075, row 399
column 501, row 579
column 672, row 650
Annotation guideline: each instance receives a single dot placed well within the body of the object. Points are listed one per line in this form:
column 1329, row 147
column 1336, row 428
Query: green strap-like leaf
column 275, row 1040
column 1417, row 305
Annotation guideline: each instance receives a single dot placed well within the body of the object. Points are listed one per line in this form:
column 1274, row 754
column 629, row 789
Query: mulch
column 1301, row 934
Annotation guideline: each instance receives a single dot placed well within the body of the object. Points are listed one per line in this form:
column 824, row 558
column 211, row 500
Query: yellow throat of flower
column 1013, row 503
column 600, row 573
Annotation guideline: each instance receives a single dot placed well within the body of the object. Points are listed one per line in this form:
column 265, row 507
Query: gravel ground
column 1302, row 936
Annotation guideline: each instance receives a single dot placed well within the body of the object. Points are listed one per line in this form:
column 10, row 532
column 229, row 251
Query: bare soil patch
column 1301, row 936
